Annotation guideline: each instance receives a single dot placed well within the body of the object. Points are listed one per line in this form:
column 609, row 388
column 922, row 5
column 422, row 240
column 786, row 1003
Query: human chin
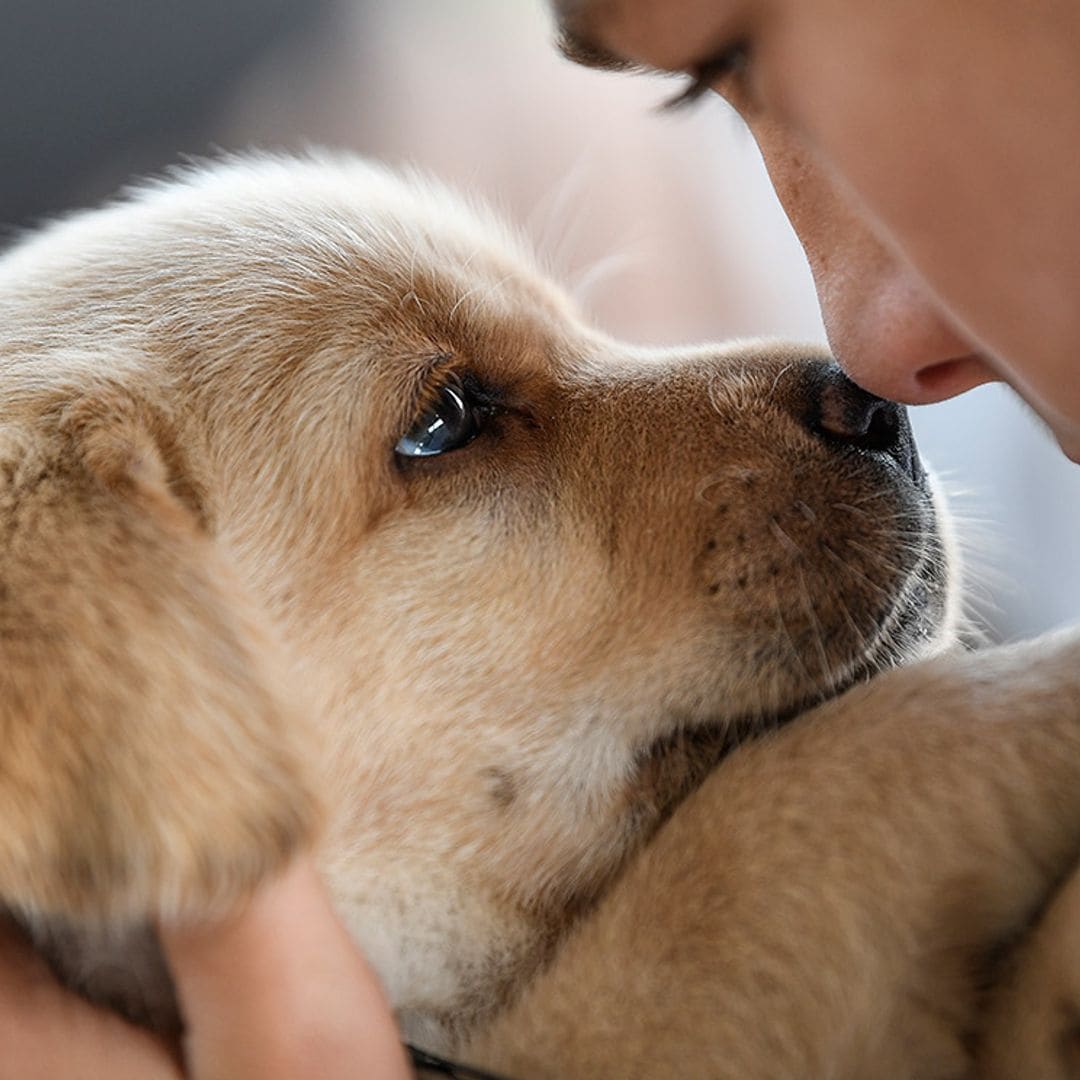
column 1069, row 442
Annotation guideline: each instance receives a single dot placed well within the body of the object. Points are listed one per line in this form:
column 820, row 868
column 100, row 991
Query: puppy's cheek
column 808, row 565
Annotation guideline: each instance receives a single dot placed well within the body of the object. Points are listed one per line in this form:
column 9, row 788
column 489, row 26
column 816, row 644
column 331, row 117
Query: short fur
column 233, row 621
column 836, row 898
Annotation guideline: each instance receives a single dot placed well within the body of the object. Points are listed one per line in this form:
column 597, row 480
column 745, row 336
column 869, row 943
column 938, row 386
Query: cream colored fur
column 834, row 900
column 233, row 621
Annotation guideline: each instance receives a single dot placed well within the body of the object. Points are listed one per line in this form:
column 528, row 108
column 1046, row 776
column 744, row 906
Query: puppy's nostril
column 843, row 413
column 883, row 431
column 872, row 425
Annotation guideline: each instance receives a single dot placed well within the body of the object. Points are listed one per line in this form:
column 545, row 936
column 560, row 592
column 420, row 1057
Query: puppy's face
column 532, row 581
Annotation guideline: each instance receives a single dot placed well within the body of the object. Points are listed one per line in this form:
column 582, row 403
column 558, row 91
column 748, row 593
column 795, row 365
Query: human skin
column 926, row 155
column 278, row 991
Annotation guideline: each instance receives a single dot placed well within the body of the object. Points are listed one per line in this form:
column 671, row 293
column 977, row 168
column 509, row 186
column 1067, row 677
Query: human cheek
column 948, row 132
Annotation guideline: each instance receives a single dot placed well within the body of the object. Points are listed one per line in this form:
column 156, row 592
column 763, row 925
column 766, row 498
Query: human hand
column 50, row 1033
column 278, row 991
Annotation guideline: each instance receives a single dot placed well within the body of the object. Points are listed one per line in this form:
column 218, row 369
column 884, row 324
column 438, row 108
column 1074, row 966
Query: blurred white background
column 665, row 226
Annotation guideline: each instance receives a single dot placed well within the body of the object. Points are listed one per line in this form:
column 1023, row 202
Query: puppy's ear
column 149, row 763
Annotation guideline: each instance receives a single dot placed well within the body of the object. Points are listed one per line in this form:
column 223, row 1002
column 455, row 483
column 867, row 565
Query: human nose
column 890, row 337
column 883, row 326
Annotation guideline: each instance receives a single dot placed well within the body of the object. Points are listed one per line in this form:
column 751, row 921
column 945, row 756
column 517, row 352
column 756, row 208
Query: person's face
column 927, row 153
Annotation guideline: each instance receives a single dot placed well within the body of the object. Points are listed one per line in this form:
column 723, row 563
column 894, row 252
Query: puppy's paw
column 150, row 763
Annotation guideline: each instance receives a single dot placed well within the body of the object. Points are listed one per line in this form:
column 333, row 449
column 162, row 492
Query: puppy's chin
column 671, row 766
column 919, row 623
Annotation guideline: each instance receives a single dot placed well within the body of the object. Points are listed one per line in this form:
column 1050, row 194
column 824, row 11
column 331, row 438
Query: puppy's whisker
column 837, row 595
column 778, row 531
column 779, row 375
column 599, row 273
column 875, row 556
column 733, row 392
column 873, row 496
column 854, row 570
column 812, row 619
column 485, row 290
column 856, row 510
column 793, row 651
column 862, row 638
column 556, row 215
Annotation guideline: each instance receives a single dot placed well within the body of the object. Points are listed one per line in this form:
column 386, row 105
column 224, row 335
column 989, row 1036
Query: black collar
column 431, row 1064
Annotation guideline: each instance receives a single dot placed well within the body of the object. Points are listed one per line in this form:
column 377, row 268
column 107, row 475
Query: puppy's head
column 532, row 581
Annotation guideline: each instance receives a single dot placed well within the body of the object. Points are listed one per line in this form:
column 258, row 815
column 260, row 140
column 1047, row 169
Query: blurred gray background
column 664, row 226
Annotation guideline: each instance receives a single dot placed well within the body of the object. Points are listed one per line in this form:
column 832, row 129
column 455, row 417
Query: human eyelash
column 732, row 60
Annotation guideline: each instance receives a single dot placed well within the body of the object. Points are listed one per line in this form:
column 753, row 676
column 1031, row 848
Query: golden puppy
column 322, row 513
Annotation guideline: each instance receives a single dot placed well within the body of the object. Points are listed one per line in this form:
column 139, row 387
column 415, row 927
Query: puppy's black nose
column 844, row 414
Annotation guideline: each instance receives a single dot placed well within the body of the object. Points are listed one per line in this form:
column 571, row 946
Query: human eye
column 726, row 70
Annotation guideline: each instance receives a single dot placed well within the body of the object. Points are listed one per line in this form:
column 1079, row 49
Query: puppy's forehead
column 367, row 251
column 339, row 218
column 257, row 229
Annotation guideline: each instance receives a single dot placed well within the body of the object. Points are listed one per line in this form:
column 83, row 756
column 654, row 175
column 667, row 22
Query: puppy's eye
column 448, row 424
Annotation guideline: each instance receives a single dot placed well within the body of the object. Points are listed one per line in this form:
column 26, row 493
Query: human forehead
column 665, row 34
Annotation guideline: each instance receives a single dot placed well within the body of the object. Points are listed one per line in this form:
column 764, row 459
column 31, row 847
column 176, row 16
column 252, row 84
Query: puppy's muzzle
column 849, row 417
